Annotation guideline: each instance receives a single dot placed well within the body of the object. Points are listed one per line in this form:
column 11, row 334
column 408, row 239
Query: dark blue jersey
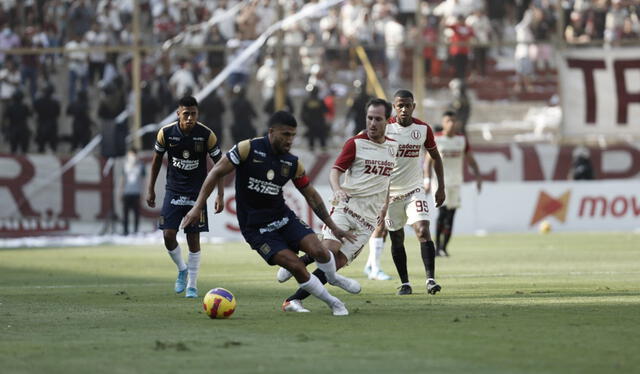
column 260, row 176
column 187, row 166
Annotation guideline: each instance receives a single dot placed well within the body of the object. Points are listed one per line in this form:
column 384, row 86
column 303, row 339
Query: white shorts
column 409, row 210
column 347, row 219
column 452, row 200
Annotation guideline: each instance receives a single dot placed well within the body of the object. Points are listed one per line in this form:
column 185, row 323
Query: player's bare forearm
column 427, row 166
column 214, row 178
column 437, row 166
column 156, row 163
column 334, row 181
column 317, row 205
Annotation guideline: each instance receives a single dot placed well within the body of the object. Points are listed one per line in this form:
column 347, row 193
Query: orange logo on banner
column 549, row 206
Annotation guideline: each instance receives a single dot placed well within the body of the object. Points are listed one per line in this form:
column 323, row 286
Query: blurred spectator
column 131, row 189
column 481, row 26
column 8, row 40
column 270, row 105
column 79, row 18
column 543, row 26
column 15, row 123
column 150, row 109
column 576, row 32
column 211, row 111
column 215, row 57
column 615, row 21
column 358, row 108
column 266, row 76
column 460, row 104
column 524, row 66
column 183, row 81
column 581, row 166
column 330, row 102
column 313, row 113
column 47, row 109
column 496, row 11
column 97, row 37
column 81, row 123
column 239, row 70
column 243, row 115
column 29, row 67
column 394, row 51
column 460, row 35
column 9, row 81
column 111, row 104
column 78, row 65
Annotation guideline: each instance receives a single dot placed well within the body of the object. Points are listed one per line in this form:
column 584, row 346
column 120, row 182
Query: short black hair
column 380, row 102
column 282, row 117
column 188, row 101
column 449, row 113
column 403, row 94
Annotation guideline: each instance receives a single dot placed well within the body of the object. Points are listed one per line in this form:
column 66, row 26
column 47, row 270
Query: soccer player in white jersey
column 409, row 204
column 366, row 161
column 454, row 150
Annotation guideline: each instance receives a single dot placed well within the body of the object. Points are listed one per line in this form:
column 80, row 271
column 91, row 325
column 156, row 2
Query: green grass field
column 558, row 303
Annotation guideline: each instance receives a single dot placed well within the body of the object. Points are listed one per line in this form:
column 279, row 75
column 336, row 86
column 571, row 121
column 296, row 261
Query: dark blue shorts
column 175, row 207
column 279, row 234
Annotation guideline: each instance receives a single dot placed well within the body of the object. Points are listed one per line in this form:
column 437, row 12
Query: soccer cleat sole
column 432, row 290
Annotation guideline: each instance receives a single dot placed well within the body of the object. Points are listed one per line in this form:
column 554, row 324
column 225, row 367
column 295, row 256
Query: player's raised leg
column 294, row 302
column 290, row 261
column 326, row 262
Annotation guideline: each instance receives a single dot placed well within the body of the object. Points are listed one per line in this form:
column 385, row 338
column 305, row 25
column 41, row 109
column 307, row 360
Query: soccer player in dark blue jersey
column 263, row 166
column 187, row 143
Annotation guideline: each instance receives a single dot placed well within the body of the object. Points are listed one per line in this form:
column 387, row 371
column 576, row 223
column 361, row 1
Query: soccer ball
column 219, row 303
column 545, row 227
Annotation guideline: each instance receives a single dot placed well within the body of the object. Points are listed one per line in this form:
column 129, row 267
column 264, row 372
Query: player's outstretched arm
column 315, row 202
column 156, row 163
column 214, row 178
column 439, row 169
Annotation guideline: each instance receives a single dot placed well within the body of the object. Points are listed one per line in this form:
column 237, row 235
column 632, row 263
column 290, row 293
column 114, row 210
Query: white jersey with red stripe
column 452, row 151
column 367, row 165
column 413, row 141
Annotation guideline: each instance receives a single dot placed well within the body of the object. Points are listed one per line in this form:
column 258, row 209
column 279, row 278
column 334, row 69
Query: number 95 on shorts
column 417, row 207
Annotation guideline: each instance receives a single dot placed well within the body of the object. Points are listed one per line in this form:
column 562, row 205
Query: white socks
column 376, row 245
column 193, row 265
column 315, row 287
column 329, row 269
column 176, row 256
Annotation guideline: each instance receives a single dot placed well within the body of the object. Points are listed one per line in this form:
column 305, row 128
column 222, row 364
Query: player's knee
column 423, row 234
column 169, row 238
column 298, row 270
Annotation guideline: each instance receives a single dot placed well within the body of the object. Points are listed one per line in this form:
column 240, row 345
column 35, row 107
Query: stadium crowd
column 90, row 88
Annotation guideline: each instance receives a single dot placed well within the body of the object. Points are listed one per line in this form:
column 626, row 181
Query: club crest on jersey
column 198, row 146
column 271, row 174
column 185, row 154
column 286, row 169
column 415, row 134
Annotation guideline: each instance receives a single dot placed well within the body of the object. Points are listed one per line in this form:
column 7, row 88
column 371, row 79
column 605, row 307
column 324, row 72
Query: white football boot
column 283, row 275
column 294, row 306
